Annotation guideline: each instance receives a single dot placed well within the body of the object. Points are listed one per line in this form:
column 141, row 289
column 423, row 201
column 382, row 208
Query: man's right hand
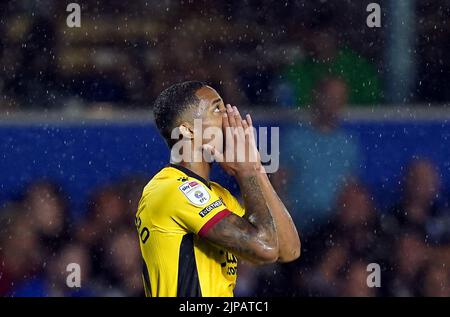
column 252, row 237
column 240, row 156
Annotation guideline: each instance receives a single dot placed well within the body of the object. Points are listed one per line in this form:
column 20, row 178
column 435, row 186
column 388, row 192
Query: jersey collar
column 190, row 173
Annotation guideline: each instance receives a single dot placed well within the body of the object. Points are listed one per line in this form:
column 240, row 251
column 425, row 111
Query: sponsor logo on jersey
column 210, row 207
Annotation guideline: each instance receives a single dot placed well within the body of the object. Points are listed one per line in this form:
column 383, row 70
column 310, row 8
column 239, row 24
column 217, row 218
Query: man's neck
column 200, row 168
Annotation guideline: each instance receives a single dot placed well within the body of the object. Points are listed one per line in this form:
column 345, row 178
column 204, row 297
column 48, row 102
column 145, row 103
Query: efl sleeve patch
column 195, row 192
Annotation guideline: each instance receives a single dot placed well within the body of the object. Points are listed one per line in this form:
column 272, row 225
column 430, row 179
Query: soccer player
column 191, row 229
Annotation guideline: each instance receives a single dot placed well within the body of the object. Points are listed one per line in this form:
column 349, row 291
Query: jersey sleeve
column 234, row 205
column 198, row 208
column 230, row 201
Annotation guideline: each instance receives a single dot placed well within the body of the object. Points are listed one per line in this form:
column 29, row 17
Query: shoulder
column 228, row 199
column 219, row 189
column 163, row 179
column 166, row 186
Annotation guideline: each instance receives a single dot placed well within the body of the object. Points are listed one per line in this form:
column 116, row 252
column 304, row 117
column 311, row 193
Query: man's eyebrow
column 217, row 100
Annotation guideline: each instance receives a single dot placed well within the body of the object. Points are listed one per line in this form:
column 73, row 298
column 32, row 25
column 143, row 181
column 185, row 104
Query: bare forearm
column 257, row 212
column 288, row 238
column 252, row 237
column 238, row 236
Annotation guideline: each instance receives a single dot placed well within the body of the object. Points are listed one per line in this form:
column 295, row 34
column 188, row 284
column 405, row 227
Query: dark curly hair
column 171, row 103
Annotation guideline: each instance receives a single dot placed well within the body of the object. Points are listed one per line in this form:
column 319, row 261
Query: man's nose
column 222, row 108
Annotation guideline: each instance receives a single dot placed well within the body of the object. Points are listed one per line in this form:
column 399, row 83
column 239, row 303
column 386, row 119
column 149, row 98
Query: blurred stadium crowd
column 38, row 241
column 343, row 227
column 256, row 53
column 290, row 54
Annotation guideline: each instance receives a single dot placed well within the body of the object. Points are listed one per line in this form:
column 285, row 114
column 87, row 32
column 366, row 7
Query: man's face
column 210, row 110
column 422, row 181
column 331, row 99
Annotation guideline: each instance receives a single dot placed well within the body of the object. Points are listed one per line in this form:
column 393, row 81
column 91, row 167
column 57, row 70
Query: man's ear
column 186, row 130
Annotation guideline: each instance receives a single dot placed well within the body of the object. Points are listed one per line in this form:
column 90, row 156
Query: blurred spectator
column 46, row 210
column 34, row 234
column 36, row 82
column 418, row 209
column 327, row 59
column 324, row 280
column 416, row 225
column 107, row 213
column 408, row 259
column 436, row 280
column 354, row 224
column 355, row 284
column 124, row 264
column 53, row 282
column 352, row 233
column 21, row 253
column 185, row 55
column 131, row 189
column 318, row 157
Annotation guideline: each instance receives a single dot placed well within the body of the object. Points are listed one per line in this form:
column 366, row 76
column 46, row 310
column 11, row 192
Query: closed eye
column 217, row 109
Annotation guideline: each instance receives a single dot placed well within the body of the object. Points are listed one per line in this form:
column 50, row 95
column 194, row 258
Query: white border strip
column 381, row 113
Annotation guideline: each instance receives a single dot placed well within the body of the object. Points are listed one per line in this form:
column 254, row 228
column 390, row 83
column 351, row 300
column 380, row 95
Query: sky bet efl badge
column 195, row 192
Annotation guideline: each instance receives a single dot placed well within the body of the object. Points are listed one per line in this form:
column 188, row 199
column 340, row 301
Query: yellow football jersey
column 176, row 209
